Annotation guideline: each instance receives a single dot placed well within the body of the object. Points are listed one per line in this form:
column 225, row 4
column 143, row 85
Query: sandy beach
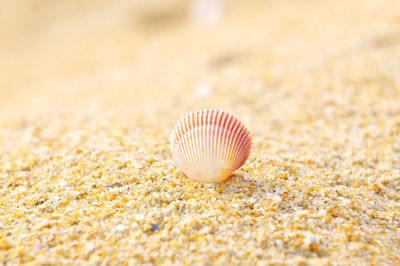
column 90, row 92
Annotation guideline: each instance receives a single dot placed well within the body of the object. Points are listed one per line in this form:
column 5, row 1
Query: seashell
column 208, row 145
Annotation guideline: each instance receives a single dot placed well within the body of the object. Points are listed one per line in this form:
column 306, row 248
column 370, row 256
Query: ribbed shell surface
column 208, row 145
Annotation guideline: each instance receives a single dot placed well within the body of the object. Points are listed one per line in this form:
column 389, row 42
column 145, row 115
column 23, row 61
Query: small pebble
column 155, row 228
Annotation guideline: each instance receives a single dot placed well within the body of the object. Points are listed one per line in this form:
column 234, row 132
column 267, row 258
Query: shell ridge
column 226, row 154
column 189, row 133
column 218, row 144
column 194, row 141
column 232, row 143
column 239, row 153
column 191, row 139
column 181, row 126
column 237, row 143
column 223, row 138
column 218, row 147
column 247, row 146
column 186, row 150
column 203, row 138
column 214, row 141
column 180, row 130
column 241, row 145
column 208, row 128
column 183, row 154
column 227, row 140
column 198, row 142
column 194, row 136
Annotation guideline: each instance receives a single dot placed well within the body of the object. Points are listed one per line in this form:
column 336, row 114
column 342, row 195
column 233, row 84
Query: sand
column 91, row 90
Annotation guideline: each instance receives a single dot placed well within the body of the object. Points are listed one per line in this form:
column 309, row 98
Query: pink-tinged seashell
column 208, row 145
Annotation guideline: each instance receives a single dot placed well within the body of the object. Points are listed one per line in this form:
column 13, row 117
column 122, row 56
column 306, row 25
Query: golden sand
column 89, row 94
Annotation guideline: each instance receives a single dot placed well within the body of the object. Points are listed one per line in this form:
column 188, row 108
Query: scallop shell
column 208, row 145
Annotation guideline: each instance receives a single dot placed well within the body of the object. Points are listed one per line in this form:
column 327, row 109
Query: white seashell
column 208, row 145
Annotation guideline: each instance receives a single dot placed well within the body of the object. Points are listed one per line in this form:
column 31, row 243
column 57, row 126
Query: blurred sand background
column 90, row 91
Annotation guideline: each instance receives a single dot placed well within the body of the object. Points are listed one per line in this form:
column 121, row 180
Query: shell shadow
column 234, row 177
column 242, row 183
